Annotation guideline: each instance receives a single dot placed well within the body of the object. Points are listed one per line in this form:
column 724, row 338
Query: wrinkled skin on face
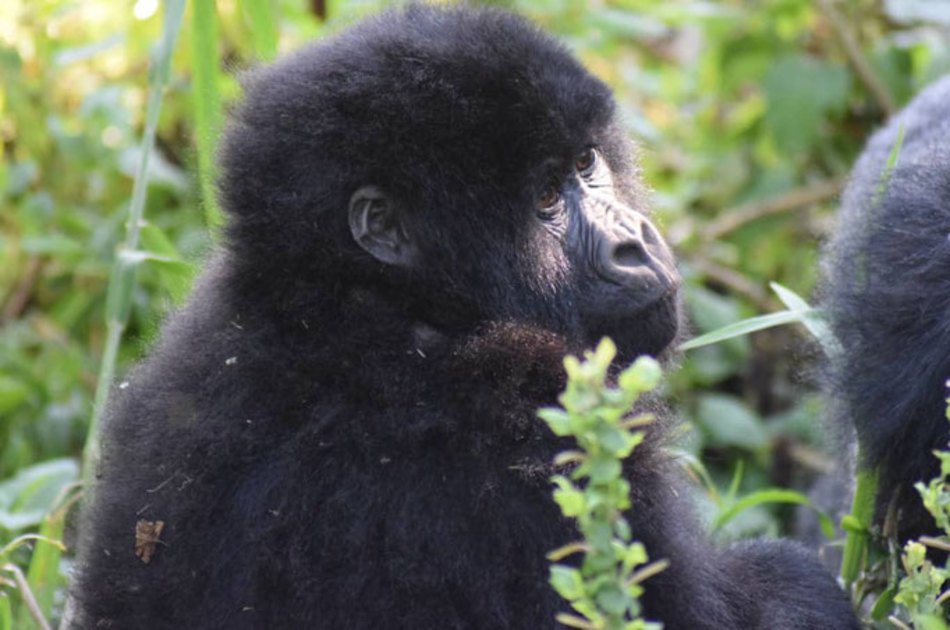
column 618, row 254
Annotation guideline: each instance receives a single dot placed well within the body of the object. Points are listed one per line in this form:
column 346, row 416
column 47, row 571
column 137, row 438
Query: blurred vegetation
column 749, row 114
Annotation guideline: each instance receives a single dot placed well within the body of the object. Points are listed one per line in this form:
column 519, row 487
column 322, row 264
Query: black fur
column 888, row 292
column 332, row 443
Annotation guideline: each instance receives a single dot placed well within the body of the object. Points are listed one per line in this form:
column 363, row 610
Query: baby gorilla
column 338, row 431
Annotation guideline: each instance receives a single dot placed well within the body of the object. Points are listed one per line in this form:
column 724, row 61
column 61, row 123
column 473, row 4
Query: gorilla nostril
column 630, row 254
column 650, row 236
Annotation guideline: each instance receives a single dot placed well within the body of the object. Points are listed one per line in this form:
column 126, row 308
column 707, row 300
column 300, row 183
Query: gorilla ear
column 377, row 226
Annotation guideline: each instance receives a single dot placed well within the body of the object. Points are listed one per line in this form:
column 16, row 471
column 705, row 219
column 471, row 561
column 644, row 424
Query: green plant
column 921, row 593
column 605, row 590
column 40, row 497
column 129, row 257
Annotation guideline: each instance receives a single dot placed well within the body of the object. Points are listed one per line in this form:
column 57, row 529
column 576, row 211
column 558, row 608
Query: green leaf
column 602, row 469
column 710, row 310
column 612, row 600
column 570, row 499
column 567, row 581
column 603, row 355
column 884, row 604
column 727, row 421
column 28, row 496
column 643, row 376
column 801, row 91
column 51, row 244
column 790, row 299
column 557, row 419
column 614, row 440
column 771, row 495
column 600, row 536
column 43, row 575
column 635, row 555
column 814, row 320
column 13, row 393
column 744, row 327
column 929, row 622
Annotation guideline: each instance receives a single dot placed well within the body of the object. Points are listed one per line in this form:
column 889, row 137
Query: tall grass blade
column 206, row 101
column 6, row 612
column 119, row 296
column 857, row 526
column 815, row 320
column 772, row 495
column 43, row 574
column 260, row 17
column 743, row 327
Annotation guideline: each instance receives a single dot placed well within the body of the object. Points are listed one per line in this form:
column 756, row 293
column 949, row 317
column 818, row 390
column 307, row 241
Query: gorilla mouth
column 647, row 329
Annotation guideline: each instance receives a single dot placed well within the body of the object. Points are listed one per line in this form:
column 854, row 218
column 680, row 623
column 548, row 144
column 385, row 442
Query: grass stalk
column 259, row 15
column 122, row 280
column 858, row 527
column 206, row 102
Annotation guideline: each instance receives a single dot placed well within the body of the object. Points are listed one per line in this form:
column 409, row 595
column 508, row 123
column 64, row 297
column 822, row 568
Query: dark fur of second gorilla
column 887, row 290
column 322, row 459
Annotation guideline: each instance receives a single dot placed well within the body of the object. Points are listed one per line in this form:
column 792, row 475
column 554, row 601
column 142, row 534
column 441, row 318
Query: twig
column 857, row 59
column 735, row 282
column 21, row 295
column 27, row 596
column 731, row 220
column 649, row 571
column 898, row 623
column 811, row 458
column 936, row 543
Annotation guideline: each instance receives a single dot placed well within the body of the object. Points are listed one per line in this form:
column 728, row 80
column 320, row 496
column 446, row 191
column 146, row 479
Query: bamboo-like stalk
column 858, row 534
column 122, row 280
column 259, row 14
column 206, row 102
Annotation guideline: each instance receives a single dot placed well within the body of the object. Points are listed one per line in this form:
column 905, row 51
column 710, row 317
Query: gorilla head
column 339, row 430
column 464, row 165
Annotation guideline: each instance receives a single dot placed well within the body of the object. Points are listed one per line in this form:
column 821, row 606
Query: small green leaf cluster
column 921, row 591
column 606, row 588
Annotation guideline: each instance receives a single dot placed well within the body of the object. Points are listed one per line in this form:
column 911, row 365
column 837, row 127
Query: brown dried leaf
column 147, row 534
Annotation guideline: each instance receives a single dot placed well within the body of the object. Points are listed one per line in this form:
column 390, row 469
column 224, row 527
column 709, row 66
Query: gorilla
column 339, row 429
column 888, row 296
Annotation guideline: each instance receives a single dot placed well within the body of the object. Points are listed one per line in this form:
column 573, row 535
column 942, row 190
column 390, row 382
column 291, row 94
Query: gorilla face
column 624, row 268
column 596, row 254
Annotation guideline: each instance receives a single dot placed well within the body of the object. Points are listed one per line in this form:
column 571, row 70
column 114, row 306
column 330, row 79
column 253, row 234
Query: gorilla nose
column 636, row 256
column 630, row 254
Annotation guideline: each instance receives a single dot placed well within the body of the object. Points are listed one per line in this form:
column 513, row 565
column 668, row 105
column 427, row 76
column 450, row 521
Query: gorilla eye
column 547, row 202
column 585, row 161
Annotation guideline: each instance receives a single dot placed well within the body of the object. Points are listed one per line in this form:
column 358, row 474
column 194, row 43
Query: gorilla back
column 425, row 214
column 888, row 293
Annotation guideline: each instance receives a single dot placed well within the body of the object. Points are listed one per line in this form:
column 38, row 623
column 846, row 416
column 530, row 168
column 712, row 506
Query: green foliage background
column 749, row 114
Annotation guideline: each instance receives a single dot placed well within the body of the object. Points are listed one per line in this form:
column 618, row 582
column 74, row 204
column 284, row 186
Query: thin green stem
column 858, row 534
column 259, row 15
column 206, row 102
column 122, row 280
